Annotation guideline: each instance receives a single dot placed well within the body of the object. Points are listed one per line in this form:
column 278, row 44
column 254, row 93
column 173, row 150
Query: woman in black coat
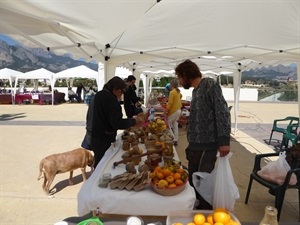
column 130, row 98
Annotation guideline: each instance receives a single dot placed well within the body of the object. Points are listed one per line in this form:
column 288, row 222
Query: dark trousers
column 200, row 161
column 99, row 148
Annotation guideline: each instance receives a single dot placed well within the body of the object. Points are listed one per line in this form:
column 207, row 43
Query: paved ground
column 30, row 132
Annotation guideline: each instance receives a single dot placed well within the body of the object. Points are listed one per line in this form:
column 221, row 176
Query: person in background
column 168, row 89
column 72, row 95
column 173, row 109
column 104, row 118
column 208, row 131
column 130, row 97
column 79, row 92
column 89, row 95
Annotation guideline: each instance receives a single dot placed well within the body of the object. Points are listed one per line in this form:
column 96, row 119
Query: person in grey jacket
column 209, row 127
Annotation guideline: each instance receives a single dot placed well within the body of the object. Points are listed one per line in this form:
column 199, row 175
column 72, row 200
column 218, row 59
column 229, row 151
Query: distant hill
column 27, row 59
column 279, row 72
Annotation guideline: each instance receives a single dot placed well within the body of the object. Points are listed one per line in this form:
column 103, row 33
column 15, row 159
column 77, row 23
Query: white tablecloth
column 123, row 202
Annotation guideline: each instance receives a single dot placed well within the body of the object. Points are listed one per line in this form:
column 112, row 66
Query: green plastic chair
column 291, row 135
column 283, row 128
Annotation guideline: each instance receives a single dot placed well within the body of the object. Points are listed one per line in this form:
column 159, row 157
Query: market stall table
column 45, row 98
column 20, row 98
column 122, row 202
column 6, row 98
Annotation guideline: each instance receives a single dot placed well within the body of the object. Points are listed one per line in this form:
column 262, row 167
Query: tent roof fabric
column 78, row 71
column 157, row 35
column 36, row 74
column 7, row 73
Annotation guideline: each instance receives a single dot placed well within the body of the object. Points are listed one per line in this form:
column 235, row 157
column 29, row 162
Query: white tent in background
column 9, row 74
column 78, row 72
column 35, row 75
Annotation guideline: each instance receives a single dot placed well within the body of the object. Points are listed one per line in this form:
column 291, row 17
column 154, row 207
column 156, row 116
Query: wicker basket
column 168, row 191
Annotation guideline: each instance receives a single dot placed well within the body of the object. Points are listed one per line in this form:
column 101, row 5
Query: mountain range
column 24, row 59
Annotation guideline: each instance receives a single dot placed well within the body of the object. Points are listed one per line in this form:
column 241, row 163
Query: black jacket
column 107, row 117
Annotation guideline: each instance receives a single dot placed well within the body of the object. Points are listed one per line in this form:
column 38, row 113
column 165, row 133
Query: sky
column 7, row 39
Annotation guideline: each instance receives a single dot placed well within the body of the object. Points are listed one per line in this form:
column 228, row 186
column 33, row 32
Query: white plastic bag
column 204, row 184
column 275, row 171
column 218, row 187
column 226, row 192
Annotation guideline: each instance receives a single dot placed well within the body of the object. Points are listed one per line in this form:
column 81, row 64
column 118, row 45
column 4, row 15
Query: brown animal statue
column 64, row 162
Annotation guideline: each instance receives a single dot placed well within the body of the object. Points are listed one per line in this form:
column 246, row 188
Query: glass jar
column 270, row 217
column 104, row 181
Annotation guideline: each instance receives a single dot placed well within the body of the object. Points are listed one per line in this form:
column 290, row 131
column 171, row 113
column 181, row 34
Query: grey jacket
column 209, row 121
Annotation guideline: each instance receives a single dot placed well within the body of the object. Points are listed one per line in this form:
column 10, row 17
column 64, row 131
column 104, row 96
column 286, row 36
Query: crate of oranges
column 168, row 180
column 219, row 216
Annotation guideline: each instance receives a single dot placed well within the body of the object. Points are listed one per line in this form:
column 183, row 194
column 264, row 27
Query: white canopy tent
column 10, row 75
column 158, row 34
column 78, row 72
column 35, row 75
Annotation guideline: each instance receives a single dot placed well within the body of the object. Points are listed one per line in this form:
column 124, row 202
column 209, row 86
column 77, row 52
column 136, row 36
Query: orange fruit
column 163, row 183
column 206, row 223
column 178, row 182
column 220, row 210
column 160, row 175
column 157, row 169
column 221, row 217
column 166, row 172
column 229, row 223
column 176, row 176
column 170, row 179
column 210, row 219
column 172, row 185
column 152, row 175
column 180, row 170
column 199, row 219
column 191, row 223
column 218, row 223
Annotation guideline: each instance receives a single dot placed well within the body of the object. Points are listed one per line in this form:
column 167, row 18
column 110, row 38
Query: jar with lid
column 270, row 217
column 104, row 181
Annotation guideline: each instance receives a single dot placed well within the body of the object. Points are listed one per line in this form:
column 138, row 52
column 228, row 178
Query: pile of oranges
column 219, row 216
column 168, row 176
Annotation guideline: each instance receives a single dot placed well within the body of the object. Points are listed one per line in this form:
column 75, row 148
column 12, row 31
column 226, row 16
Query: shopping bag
column 275, row 171
column 204, row 184
column 225, row 192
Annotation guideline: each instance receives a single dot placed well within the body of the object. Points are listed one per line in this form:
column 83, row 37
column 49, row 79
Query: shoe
column 175, row 143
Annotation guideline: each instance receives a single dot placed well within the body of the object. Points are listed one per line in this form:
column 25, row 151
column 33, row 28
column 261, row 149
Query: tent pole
column 145, row 83
column 237, row 85
column 52, row 89
column 298, row 79
column 109, row 71
column 16, row 81
column 101, row 77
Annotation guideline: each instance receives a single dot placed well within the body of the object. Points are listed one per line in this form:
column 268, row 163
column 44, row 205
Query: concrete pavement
column 28, row 133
